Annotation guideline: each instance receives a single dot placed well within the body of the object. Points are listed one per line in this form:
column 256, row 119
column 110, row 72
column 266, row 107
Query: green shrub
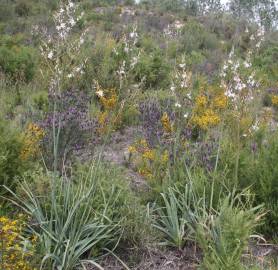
column 18, row 62
column 6, row 11
column 224, row 234
column 153, row 70
column 266, row 61
column 259, row 170
column 195, row 37
column 40, row 101
column 23, row 8
column 11, row 165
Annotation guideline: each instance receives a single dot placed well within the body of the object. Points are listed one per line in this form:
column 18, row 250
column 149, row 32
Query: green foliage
column 176, row 219
column 126, row 208
column 77, row 221
column 267, row 61
column 23, row 8
column 195, row 37
column 6, row 11
column 261, row 173
column 40, row 101
column 88, row 209
column 153, row 70
column 224, row 234
column 17, row 61
column 11, row 165
column 102, row 66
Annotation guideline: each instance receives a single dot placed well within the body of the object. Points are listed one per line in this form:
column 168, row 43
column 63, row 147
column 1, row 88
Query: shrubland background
column 132, row 131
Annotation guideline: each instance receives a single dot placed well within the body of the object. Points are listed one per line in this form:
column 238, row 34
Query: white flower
column 72, row 22
column 50, row 55
column 183, row 84
column 99, row 93
column 246, row 64
column 230, row 94
column 70, row 75
column 255, row 126
column 133, row 34
column 182, row 65
column 184, row 75
column 177, row 105
column 185, row 115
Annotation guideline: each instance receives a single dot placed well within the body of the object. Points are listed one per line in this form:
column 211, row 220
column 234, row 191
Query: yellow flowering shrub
column 274, row 100
column 109, row 103
column 166, row 123
column 108, row 116
column 206, row 110
column 31, row 141
column 14, row 255
column 220, row 101
column 201, row 101
column 207, row 119
column 150, row 162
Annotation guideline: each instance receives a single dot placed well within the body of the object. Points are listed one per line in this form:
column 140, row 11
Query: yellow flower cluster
column 109, row 103
column 108, row 116
column 207, row 119
column 166, row 123
column 201, row 101
column 32, row 137
column 148, row 160
column 108, row 98
column 274, row 100
column 142, row 147
column 13, row 255
column 206, row 110
column 220, row 102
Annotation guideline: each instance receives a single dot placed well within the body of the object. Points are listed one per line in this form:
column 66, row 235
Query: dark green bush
column 267, row 61
column 6, row 11
column 261, row 172
column 18, row 62
column 257, row 170
column 23, row 8
column 153, row 70
column 11, row 165
column 195, row 37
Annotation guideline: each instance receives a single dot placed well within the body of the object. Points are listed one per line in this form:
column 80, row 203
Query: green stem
column 237, row 152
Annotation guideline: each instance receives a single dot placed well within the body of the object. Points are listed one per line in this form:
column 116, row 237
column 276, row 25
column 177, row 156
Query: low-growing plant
column 175, row 217
column 11, row 163
column 18, row 62
column 16, row 250
column 72, row 226
column 258, row 169
column 223, row 234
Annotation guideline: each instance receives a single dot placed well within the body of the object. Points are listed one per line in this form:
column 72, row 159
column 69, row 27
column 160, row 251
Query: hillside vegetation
column 138, row 135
